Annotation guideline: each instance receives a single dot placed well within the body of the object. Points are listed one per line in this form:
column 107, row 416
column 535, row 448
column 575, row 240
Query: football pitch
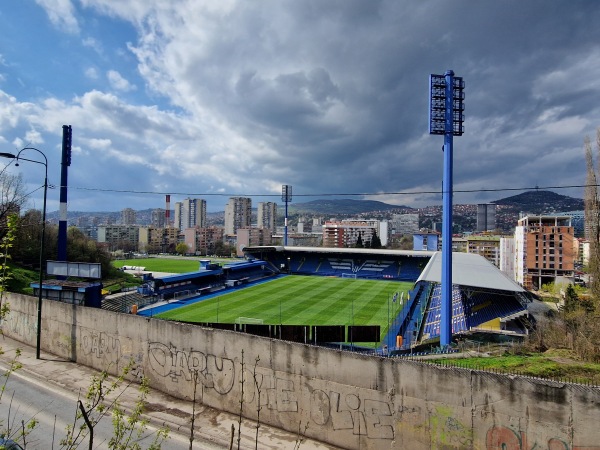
column 303, row 300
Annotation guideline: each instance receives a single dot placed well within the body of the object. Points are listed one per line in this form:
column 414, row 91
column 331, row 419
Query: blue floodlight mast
column 62, row 220
column 286, row 196
column 446, row 106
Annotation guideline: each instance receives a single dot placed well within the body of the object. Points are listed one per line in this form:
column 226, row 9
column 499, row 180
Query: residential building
column 508, row 257
column 427, row 240
column 459, row 244
column 119, row 237
column 345, row 233
column 267, row 216
column 486, row 217
column 486, row 246
column 249, row 237
column 158, row 218
column 543, row 250
column 577, row 221
column 190, row 213
column 202, row 241
column 158, row 240
column 404, row 224
column 238, row 214
column 127, row 216
column 581, row 248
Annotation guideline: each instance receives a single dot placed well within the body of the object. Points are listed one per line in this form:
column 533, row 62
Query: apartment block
column 128, row 216
column 158, row 218
column 486, row 217
column 158, row 240
column 486, row 246
column 543, row 250
column 404, row 224
column 202, row 240
column 267, row 216
column 119, row 237
column 507, row 257
column 345, row 233
column 238, row 214
column 190, row 213
column 247, row 237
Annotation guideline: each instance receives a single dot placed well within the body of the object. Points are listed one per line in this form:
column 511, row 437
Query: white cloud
column 91, row 73
column 61, row 13
column 93, row 44
column 118, row 82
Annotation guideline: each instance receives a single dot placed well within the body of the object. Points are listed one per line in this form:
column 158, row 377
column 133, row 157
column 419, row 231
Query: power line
column 339, row 194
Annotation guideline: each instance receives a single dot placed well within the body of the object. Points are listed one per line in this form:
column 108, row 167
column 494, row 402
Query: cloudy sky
column 212, row 99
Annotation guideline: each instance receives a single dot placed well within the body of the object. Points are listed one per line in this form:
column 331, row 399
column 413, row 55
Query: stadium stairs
column 123, row 301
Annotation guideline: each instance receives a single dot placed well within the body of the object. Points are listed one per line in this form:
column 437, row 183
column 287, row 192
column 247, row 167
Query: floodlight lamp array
column 437, row 105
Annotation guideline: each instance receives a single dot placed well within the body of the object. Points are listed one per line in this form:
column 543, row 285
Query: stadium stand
column 482, row 299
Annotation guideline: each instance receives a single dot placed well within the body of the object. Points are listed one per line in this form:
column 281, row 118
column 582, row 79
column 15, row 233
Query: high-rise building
column 404, row 224
column 190, row 213
column 486, row 217
column 543, row 250
column 158, row 218
column 238, row 214
column 267, row 216
column 127, row 216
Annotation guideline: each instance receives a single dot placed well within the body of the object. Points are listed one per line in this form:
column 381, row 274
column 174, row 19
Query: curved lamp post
column 18, row 158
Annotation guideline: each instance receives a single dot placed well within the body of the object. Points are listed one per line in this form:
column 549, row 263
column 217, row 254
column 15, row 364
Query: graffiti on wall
column 101, row 345
column 23, row 326
column 344, row 412
column 504, row 438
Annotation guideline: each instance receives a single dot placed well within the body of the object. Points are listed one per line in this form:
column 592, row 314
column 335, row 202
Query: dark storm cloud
column 332, row 96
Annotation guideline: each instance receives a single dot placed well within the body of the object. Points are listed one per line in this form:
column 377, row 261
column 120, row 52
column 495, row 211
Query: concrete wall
column 345, row 399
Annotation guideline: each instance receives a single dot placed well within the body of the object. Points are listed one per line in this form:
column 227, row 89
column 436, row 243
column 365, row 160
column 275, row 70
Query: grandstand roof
column 336, row 250
column 469, row 269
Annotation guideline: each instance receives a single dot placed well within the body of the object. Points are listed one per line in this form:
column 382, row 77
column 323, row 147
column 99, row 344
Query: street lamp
column 18, row 158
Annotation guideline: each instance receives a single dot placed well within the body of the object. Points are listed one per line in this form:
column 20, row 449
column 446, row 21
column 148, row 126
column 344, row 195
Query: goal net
column 241, row 320
column 349, row 275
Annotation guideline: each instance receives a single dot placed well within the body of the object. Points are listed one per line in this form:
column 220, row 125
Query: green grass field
column 302, row 300
column 169, row 265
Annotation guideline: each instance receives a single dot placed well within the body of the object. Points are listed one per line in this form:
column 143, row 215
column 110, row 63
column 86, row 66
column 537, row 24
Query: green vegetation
column 302, row 300
column 554, row 364
column 169, row 265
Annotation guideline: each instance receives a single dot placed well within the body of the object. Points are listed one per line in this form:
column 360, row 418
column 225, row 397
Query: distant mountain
column 343, row 206
column 542, row 202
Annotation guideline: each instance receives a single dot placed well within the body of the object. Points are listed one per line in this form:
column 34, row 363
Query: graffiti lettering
column 101, row 345
column 371, row 418
column 503, row 438
column 214, row 372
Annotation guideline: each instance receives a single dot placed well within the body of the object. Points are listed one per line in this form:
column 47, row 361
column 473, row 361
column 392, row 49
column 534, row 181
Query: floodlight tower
column 65, row 163
column 286, row 196
column 446, row 106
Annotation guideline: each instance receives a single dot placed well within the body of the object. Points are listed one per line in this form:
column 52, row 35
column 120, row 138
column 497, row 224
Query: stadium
column 404, row 294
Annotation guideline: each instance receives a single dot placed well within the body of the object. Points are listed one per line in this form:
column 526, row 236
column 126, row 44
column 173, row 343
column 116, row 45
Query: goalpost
column 349, row 275
column 246, row 320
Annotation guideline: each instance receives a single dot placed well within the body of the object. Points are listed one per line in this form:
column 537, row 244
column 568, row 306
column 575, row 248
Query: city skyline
column 218, row 100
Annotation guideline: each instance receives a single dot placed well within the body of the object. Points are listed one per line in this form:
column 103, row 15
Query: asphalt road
column 26, row 399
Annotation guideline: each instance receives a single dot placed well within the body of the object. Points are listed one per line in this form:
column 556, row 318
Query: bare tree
column 12, row 197
column 592, row 214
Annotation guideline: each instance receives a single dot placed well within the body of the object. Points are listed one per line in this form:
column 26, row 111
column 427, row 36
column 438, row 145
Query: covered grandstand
column 209, row 278
column 484, row 301
column 399, row 265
